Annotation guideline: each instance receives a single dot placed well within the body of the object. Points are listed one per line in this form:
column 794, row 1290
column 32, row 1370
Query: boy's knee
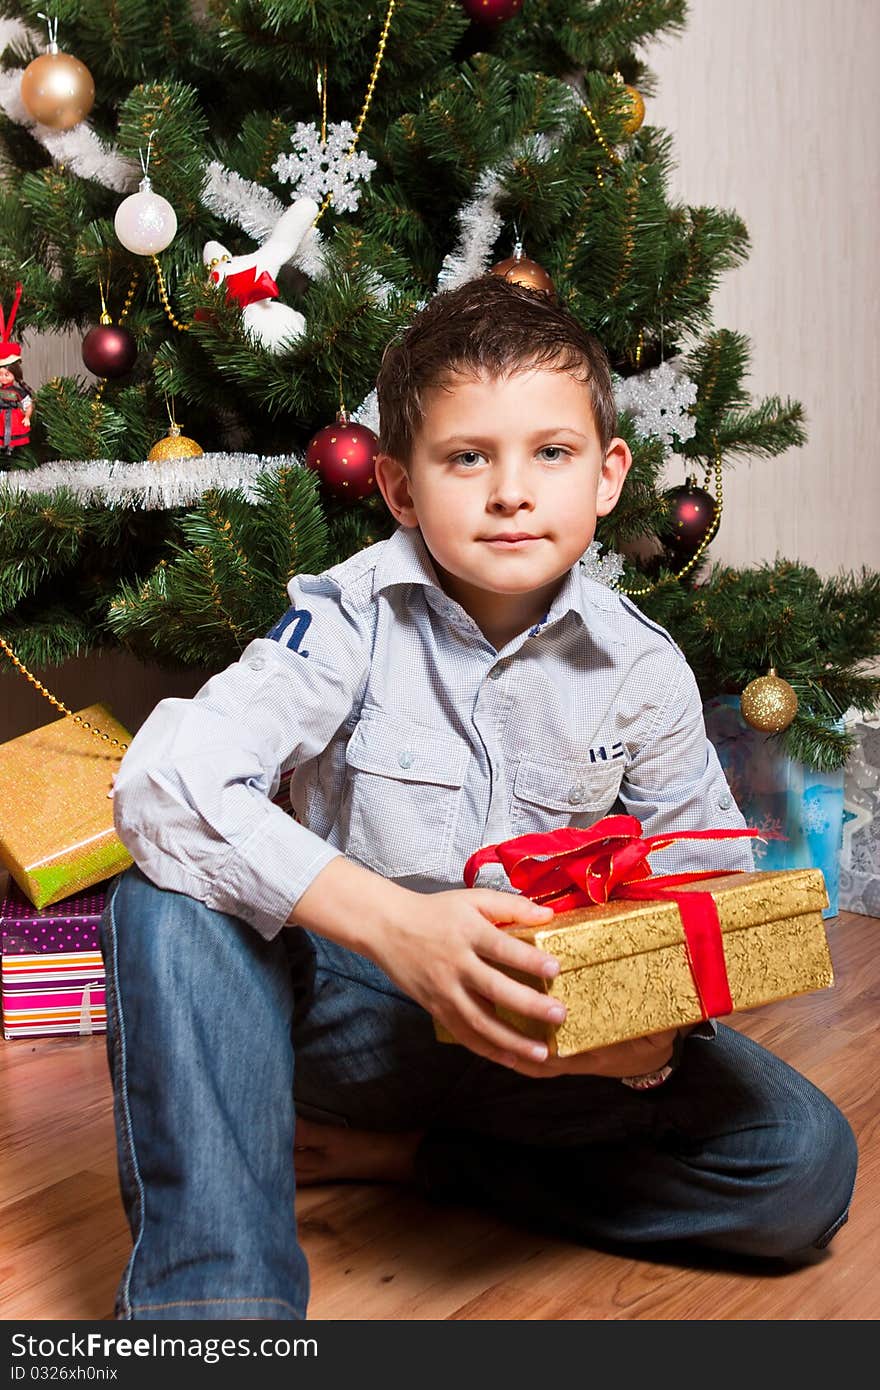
column 142, row 919
column 814, row 1174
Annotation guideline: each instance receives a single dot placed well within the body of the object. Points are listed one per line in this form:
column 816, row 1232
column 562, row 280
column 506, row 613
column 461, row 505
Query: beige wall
column 769, row 102
column 771, row 106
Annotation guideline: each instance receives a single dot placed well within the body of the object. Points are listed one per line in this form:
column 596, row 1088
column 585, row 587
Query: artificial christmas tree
column 435, row 148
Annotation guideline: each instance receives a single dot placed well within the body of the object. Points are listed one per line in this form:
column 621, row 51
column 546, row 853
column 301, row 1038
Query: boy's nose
column 509, row 491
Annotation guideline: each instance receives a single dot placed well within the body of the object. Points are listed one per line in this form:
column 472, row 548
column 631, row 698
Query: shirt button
column 725, row 802
column 495, row 673
column 256, row 663
column 577, row 793
column 406, row 757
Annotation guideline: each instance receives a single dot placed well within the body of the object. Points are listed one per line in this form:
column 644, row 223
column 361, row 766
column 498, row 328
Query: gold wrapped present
column 56, row 817
column 624, row 966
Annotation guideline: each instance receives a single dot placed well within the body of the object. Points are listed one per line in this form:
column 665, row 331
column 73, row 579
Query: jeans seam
column 213, row 1303
column 129, row 1149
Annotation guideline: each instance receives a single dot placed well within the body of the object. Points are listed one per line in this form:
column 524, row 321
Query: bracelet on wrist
column 648, row 1080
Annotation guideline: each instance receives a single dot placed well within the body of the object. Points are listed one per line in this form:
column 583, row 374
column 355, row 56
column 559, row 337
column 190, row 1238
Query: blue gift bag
column 777, row 794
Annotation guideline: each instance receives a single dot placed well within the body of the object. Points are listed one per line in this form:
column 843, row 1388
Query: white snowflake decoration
column 659, row 402
column 319, row 167
column 605, row 569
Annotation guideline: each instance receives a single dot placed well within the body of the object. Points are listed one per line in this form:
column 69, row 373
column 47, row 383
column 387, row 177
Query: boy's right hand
column 444, row 952
column 442, row 949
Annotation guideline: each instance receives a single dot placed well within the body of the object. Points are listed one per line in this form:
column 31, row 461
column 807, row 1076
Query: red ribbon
column 7, row 346
column 247, row 287
column 580, row 868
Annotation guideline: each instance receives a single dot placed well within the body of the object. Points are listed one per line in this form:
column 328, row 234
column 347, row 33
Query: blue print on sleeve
column 297, row 620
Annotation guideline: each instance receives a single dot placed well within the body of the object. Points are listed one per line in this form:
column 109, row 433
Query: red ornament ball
column 491, row 11
column 690, row 517
column 109, row 351
column 344, row 457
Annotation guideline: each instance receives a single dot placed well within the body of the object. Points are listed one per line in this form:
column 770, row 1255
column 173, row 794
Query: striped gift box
column 52, row 976
column 46, row 995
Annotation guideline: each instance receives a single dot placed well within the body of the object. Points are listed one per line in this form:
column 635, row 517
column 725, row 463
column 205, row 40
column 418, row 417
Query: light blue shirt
column 411, row 741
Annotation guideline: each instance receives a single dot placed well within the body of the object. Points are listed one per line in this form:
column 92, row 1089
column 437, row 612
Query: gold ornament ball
column 768, row 703
column 519, row 270
column 57, row 90
column 174, row 446
column 637, row 109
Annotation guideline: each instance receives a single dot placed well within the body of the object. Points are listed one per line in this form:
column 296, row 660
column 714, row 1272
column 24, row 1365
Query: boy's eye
column 469, row 457
column 557, row 452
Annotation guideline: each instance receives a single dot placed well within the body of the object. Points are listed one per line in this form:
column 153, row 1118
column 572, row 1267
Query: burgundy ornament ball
column 344, row 455
column 491, row 11
column 691, row 514
column 109, row 351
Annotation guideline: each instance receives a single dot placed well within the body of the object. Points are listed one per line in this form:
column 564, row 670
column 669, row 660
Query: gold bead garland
column 380, row 54
column 709, row 536
column 163, row 295
column 59, row 704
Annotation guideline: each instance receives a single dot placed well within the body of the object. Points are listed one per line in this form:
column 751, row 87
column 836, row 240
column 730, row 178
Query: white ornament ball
column 145, row 222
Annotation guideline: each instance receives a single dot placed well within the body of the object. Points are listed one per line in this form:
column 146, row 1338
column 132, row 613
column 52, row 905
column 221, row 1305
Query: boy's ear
column 616, row 465
column 393, row 481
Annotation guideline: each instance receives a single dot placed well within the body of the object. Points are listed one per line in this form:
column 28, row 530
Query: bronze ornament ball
column 768, row 704
column 57, row 90
column 344, row 456
column 109, row 351
column 519, row 270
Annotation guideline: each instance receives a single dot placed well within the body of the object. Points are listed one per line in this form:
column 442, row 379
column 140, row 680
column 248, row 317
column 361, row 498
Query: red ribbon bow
column 580, row 868
column 247, row 287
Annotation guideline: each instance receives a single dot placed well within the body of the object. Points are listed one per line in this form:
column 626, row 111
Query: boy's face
column 506, row 480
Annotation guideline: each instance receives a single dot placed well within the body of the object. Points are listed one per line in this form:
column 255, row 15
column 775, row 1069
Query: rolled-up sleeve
column 192, row 799
column 675, row 782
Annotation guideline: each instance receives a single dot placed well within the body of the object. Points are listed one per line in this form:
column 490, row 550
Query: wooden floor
column 379, row 1253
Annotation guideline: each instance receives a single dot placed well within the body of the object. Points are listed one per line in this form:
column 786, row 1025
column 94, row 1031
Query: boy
column 456, row 685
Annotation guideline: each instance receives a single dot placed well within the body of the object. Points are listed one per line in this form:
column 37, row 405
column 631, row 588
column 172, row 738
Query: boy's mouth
column 511, row 538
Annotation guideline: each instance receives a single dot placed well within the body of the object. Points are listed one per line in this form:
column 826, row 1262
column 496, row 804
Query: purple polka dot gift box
column 52, row 979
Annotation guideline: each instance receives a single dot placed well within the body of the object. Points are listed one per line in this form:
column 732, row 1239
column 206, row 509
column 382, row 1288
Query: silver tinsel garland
column 150, row 486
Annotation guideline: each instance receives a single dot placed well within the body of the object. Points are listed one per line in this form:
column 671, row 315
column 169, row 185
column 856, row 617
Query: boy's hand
column 632, row 1058
column 444, row 952
column 443, row 949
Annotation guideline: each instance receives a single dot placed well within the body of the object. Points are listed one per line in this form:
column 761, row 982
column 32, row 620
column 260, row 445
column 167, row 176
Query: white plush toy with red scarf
column 250, row 280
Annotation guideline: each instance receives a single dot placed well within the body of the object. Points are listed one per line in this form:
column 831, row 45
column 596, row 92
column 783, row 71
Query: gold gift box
column 56, row 819
column 623, row 967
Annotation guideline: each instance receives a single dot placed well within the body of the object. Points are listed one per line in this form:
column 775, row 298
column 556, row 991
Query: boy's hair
column 486, row 325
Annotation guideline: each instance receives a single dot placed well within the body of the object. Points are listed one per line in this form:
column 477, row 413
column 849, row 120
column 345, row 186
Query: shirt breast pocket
column 548, row 794
column 404, row 797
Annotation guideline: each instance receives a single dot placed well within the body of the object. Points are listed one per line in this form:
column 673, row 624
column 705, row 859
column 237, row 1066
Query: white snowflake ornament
column 605, row 569
column 659, row 401
column 318, row 167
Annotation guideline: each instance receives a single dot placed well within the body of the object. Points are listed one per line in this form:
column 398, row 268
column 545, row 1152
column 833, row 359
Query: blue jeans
column 212, row 1031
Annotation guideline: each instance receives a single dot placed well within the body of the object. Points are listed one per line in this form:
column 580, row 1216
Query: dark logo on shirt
column 601, row 754
column 295, row 623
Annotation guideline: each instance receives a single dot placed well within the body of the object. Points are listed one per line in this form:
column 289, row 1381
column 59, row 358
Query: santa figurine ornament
column 16, row 403
column 250, row 280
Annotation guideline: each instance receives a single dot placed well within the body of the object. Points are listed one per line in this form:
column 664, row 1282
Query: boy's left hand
column 631, row 1058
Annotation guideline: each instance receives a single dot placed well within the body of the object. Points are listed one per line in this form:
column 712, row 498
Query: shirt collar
column 405, row 559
